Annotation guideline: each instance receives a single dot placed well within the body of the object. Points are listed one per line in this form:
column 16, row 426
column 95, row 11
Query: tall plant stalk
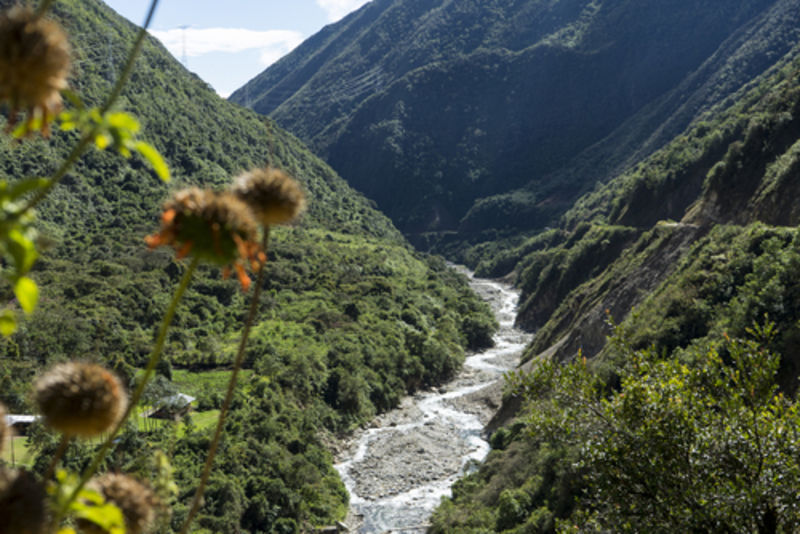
column 155, row 357
column 237, row 365
column 55, row 178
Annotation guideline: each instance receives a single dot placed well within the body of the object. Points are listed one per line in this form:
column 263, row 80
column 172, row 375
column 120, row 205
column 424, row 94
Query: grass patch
column 204, row 420
column 18, row 453
column 198, row 383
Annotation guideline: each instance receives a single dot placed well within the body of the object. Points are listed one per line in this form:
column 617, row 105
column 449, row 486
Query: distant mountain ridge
column 470, row 115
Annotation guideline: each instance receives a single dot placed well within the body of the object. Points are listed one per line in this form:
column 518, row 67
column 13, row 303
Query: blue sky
column 228, row 43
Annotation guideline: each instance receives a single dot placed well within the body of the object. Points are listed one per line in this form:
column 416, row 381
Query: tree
column 710, row 446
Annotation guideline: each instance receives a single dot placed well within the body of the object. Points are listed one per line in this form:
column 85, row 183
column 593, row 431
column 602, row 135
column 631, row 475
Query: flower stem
column 237, row 365
column 62, row 447
column 155, row 356
column 128, row 69
column 43, row 7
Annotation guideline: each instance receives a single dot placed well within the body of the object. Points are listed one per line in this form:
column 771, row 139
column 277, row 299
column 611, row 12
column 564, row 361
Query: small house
column 21, row 423
column 173, row 407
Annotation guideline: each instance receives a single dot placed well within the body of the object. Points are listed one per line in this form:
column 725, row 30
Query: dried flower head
column 80, row 399
column 273, row 195
column 23, row 503
column 34, row 64
column 214, row 227
column 137, row 502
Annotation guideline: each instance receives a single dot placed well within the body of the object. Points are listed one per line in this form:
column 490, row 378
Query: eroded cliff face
column 738, row 167
column 580, row 323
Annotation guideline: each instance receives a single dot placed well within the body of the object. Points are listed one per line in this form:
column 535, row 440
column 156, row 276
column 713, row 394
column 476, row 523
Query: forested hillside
column 633, row 166
column 469, row 120
column 352, row 317
column 694, row 252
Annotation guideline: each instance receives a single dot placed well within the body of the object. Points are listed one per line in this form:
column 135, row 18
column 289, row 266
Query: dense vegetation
column 684, row 419
column 690, row 407
column 488, row 118
column 701, row 443
column 352, row 318
column 629, row 161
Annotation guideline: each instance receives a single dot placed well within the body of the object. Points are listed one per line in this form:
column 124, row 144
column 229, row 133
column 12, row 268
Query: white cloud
column 337, row 9
column 272, row 44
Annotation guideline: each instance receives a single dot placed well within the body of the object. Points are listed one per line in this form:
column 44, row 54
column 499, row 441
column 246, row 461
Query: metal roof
column 12, row 420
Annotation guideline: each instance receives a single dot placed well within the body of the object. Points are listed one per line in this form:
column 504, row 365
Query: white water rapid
column 398, row 470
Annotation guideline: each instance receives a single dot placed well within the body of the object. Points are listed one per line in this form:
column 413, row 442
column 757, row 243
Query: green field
column 205, row 382
column 17, row 454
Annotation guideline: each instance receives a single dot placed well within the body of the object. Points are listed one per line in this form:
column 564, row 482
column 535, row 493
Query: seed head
column 34, row 64
column 23, row 503
column 80, row 399
column 136, row 501
column 273, row 195
column 214, row 227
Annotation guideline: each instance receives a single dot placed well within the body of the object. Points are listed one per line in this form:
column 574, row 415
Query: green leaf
column 27, row 293
column 91, row 496
column 94, row 116
column 107, row 516
column 22, row 129
column 123, row 121
column 154, row 158
column 26, row 186
column 8, row 323
column 22, row 250
column 102, row 141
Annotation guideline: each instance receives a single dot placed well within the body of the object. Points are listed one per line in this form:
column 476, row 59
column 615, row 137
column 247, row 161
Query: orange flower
column 214, row 227
column 34, row 64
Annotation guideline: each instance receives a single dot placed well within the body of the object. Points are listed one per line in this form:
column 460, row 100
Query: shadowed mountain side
column 471, row 116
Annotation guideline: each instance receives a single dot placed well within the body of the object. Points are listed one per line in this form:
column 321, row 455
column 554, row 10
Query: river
column 399, row 468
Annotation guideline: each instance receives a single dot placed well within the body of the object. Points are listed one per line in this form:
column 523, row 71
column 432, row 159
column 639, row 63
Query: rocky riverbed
column 399, row 468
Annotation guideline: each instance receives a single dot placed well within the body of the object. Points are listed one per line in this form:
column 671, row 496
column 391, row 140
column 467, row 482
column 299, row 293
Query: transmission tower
column 184, row 57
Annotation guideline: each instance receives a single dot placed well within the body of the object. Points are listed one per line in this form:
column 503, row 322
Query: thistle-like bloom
column 136, row 501
column 80, row 399
column 273, row 195
column 23, row 503
column 214, row 227
column 34, row 64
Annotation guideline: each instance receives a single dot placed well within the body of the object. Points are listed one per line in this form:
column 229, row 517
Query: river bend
column 399, row 468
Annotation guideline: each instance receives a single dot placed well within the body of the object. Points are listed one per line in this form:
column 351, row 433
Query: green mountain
column 692, row 247
column 494, row 117
column 633, row 167
column 351, row 320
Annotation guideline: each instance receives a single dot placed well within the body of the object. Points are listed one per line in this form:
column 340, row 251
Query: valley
column 619, row 177
column 400, row 466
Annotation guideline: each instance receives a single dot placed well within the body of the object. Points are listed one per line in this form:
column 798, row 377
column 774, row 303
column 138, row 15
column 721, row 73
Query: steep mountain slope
column 351, row 320
column 695, row 246
column 735, row 167
column 658, row 141
column 479, row 117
